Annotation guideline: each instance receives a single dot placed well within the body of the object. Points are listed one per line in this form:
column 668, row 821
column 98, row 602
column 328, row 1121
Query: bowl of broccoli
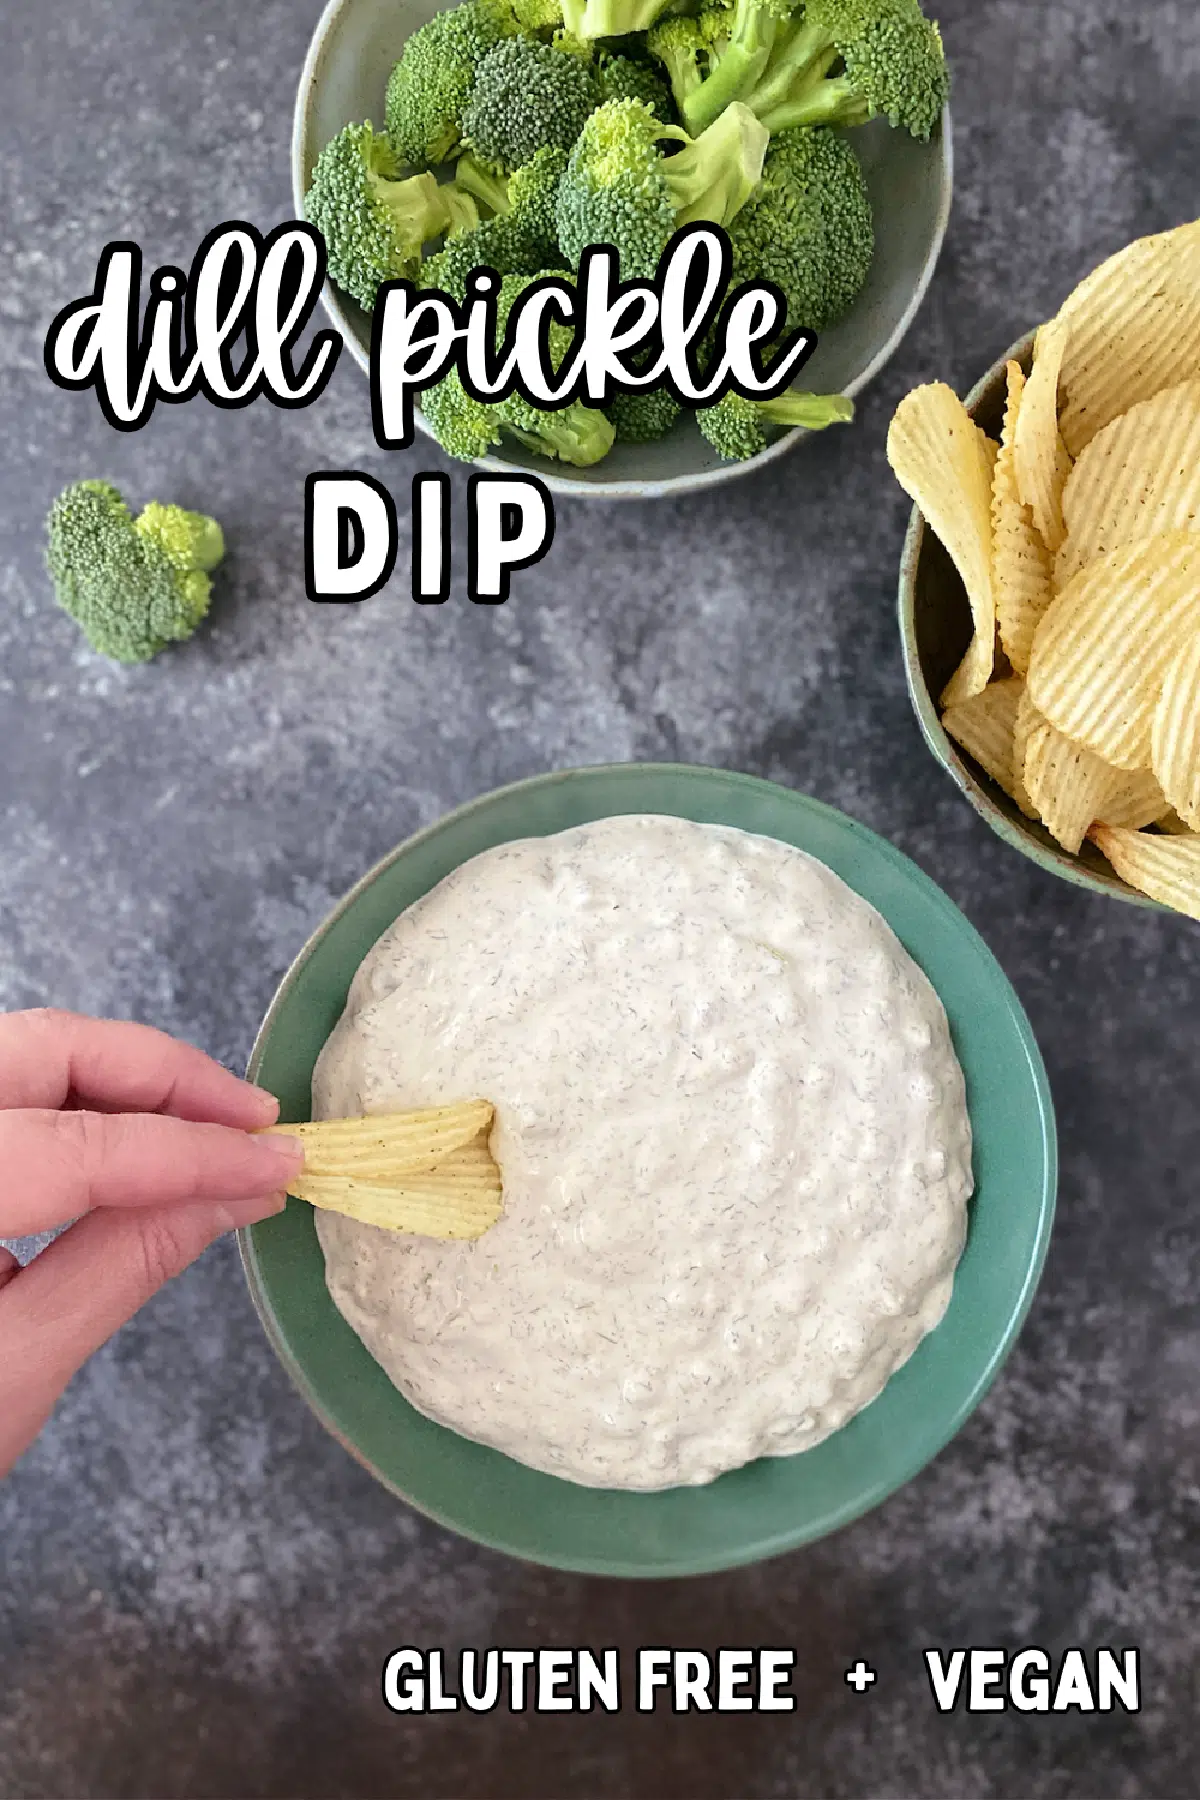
column 429, row 141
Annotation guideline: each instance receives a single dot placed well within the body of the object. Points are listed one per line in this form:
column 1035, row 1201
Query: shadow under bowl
column 935, row 630
column 355, row 44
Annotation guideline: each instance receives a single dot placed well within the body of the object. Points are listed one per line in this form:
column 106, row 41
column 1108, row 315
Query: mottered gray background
column 197, row 1587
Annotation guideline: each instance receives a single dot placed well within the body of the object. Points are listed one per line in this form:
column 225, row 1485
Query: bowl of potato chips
column 1050, row 584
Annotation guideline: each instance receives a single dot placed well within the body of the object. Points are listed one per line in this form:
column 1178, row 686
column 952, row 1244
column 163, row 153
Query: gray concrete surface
column 198, row 1588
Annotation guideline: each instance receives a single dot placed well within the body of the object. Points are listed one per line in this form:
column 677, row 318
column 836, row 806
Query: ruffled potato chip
column 1166, row 869
column 1134, row 329
column 1102, row 652
column 1069, row 785
column 1138, row 478
column 984, row 726
column 428, row 1171
column 1175, row 734
column 1040, row 456
column 1021, row 577
column 944, row 462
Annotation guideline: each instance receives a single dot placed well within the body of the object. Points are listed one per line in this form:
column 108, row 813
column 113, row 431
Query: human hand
column 143, row 1141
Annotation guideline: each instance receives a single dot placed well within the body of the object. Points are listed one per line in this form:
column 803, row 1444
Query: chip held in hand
column 429, row 1172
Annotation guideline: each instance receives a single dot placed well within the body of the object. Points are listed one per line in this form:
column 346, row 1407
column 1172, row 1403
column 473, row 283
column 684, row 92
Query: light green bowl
column 353, row 49
column 772, row 1505
column 935, row 629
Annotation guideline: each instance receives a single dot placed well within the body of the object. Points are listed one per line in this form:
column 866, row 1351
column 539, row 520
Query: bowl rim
column 944, row 750
column 782, row 1541
column 630, row 487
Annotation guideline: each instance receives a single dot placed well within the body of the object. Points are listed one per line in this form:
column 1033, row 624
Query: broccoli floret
column 132, row 586
column 838, row 62
column 527, row 96
column 374, row 224
column 808, row 227
column 519, row 239
column 612, row 18
column 627, row 77
column 619, row 189
column 643, row 416
column 738, row 429
column 738, row 41
column 538, row 15
column 432, row 82
column 467, row 428
column 681, row 44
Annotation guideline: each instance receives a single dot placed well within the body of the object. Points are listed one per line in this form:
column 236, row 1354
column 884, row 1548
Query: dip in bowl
column 779, row 1500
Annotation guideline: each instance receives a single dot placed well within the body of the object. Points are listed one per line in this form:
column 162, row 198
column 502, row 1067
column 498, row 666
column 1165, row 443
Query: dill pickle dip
column 734, row 1140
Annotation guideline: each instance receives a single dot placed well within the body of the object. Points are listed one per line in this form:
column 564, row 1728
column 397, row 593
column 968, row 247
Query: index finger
column 48, row 1058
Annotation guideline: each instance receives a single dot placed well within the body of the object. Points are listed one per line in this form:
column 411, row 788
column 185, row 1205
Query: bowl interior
column 935, row 627
column 355, row 46
column 772, row 1505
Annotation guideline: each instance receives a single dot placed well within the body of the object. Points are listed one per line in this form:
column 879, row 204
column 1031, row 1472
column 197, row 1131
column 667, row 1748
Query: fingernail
column 250, row 1212
column 268, row 1102
column 286, row 1154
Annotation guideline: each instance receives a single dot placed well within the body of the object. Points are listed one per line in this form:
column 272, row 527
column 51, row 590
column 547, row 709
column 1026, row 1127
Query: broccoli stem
column 479, row 181
column 741, row 64
column 418, row 206
column 813, row 411
column 577, row 434
column 611, row 18
column 713, row 176
column 803, row 56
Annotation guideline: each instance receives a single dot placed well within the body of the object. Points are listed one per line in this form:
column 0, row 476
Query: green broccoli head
column 626, row 77
column 132, row 587
column 518, row 240
column 737, row 42
column 620, row 189
column 374, row 224
column 842, row 62
column 527, row 96
column 738, row 429
column 808, row 227
column 468, row 428
column 431, row 84
column 644, row 416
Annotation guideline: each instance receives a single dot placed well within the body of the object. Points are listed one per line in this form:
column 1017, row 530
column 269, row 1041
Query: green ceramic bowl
column 351, row 55
column 772, row 1505
column 935, row 629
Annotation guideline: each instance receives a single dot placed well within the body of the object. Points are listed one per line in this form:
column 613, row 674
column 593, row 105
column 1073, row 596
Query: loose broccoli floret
column 738, row 429
column 643, row 417
column 627, row 77
column 619, row 189
column 527, row 96
column 374, row 224
column 836, row 62
column 519, row 239
column 432, row 82
column 808, row 227
column 467, row 428
column 132, row 587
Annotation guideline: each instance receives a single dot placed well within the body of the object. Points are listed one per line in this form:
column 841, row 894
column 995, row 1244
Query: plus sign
column 860, row 1676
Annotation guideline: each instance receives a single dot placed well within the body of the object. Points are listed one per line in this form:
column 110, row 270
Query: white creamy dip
column 734, row 1140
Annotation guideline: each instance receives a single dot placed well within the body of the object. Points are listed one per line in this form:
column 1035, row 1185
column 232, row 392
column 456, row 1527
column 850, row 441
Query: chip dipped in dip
column 734, row 1142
